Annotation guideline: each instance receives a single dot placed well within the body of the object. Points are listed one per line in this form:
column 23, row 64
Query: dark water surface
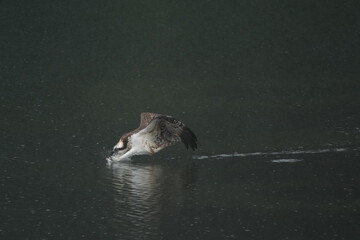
column 271, row 88
column 252, row 197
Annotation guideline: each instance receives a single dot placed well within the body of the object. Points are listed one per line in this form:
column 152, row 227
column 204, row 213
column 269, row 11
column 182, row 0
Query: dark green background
column 261, row 73
column 246, row 76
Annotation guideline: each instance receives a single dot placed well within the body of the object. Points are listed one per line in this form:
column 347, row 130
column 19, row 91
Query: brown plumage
column 155, row 132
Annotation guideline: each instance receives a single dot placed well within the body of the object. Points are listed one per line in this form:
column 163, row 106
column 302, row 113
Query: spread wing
column 145, row 119
column 166, row 131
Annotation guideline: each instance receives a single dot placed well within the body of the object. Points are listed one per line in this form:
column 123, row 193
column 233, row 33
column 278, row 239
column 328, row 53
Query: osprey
column 156, row 131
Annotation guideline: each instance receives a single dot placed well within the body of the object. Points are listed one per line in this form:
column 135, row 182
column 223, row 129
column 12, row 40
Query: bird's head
column 120, row 149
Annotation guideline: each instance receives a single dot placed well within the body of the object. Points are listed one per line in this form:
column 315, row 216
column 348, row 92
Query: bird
column 155, row 132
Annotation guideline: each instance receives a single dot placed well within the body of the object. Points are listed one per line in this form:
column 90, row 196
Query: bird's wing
column 166, row 131
column 145, row 119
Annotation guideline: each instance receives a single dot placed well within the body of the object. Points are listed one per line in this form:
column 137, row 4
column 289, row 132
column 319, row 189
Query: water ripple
column 289, row 152
column 138, row 189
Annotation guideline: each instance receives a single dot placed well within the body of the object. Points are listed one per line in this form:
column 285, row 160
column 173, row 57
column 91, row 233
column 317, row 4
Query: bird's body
column 156, row 131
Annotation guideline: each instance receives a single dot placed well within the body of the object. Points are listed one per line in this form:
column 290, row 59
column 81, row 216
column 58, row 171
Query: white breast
column 140, row 143
column 144, row 141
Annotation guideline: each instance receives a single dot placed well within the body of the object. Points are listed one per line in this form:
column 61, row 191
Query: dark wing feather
column 172, row 131
column 188, row 138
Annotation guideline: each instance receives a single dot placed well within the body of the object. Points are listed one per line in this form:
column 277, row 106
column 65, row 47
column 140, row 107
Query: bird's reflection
column 137, row 194
column 143, row 192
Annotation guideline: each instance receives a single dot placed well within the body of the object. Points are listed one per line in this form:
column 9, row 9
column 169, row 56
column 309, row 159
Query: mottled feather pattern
column 172, row 131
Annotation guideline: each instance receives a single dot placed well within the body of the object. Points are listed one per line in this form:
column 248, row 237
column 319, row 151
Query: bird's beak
column 111, row 154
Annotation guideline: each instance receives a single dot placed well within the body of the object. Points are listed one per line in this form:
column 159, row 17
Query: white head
column 121, row 148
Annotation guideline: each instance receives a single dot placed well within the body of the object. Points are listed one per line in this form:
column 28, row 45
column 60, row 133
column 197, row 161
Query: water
column 273, row 98
column 313, row 196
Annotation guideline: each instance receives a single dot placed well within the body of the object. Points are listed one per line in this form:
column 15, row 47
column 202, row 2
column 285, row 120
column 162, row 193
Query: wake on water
column 282, row 160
